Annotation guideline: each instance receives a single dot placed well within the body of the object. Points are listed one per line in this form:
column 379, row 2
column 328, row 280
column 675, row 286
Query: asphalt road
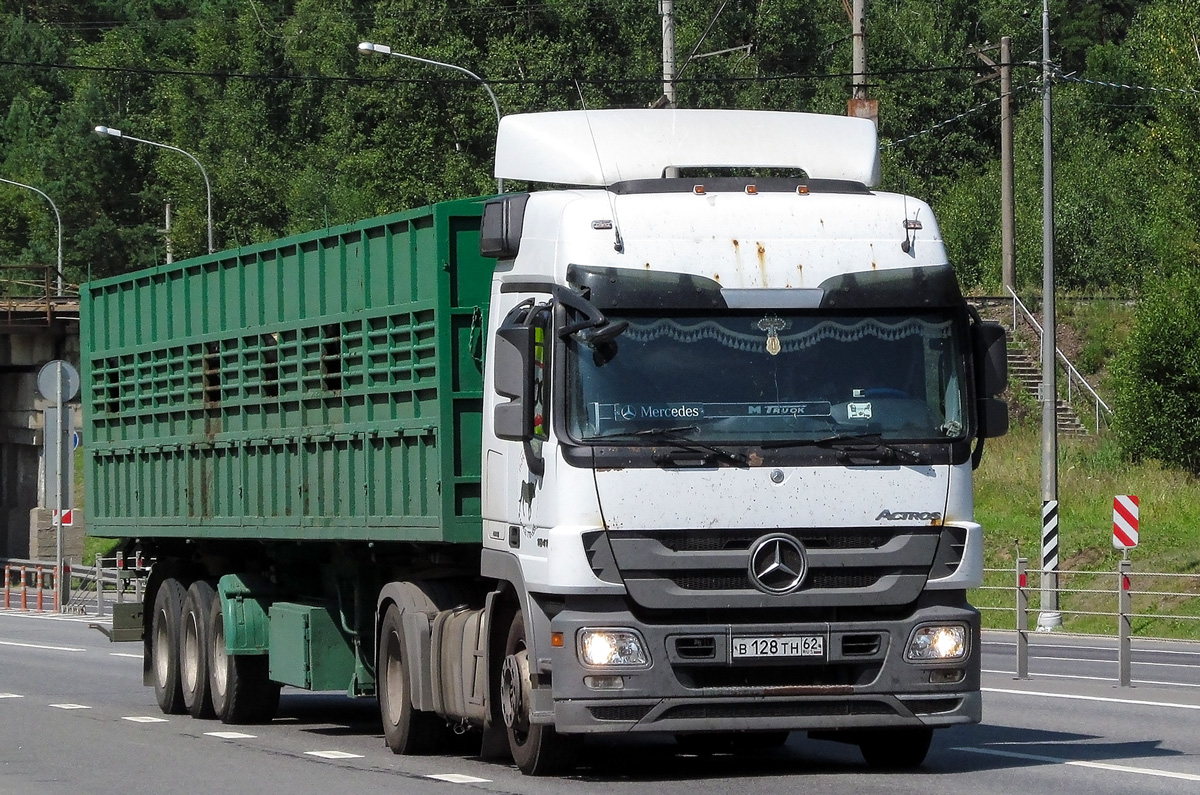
column 74, row 718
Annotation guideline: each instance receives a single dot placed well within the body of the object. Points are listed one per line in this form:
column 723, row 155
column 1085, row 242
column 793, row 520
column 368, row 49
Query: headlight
column 612, row 647
column 933, row 643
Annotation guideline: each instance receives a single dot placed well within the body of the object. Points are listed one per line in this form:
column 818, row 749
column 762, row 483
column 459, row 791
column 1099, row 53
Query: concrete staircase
column 1025, row 372
column 1025, row 369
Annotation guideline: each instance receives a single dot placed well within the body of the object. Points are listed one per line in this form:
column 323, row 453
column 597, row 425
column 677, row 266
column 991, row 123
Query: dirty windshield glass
column 770, row 376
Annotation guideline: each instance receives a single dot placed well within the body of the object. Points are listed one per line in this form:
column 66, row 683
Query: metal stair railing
column 1073, row 375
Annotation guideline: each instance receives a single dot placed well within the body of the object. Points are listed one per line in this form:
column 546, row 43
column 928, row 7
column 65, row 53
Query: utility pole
column 858, row 105
column 1008, row 223
column 666, row 8
column 167, row 235
column 1049, row 617
column 1008, row 235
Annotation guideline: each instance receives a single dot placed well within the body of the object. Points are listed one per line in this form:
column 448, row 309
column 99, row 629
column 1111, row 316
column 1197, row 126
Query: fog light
column 599, row 647
column 946, row 676
column 604, row 682
column 933, row 643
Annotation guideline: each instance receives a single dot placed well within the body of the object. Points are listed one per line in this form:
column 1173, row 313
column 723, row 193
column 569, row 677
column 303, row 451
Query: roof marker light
column 698, row 190
column 802, row 190
column 751, row 190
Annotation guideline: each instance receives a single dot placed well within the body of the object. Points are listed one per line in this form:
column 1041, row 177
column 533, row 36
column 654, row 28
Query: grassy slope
column 1091, row 473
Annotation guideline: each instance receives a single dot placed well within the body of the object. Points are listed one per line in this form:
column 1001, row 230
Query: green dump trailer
column 282, row 429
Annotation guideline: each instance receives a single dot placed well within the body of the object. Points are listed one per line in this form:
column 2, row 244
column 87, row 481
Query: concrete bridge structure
column 33, row 331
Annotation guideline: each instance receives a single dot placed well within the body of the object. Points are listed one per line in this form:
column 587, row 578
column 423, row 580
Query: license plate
column 776, row 646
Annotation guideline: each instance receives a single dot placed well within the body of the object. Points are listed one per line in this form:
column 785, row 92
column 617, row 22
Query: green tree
column 1157, row 374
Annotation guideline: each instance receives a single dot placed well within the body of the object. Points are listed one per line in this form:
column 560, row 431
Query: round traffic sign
column 58, row 380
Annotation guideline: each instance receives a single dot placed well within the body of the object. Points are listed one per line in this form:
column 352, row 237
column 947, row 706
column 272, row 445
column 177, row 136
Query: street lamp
column 115, row 133
column 57, row 217
column 383, row 49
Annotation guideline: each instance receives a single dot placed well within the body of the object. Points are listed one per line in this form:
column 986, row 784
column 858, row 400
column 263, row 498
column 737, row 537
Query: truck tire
column 537, row 749
column 406, row 729
column 241, row 687
column 895, row 749
column 194, row 637
column 164, row 646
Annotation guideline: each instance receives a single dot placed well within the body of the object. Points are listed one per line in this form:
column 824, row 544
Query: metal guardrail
column 1073, row 375
column 32, row 585
column 1122, row 591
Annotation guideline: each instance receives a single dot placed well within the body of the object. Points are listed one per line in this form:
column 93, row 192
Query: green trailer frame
column 326, row 386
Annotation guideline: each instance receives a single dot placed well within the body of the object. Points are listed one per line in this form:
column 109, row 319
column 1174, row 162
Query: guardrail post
column 99, row 586
column 1022, row 619
column 139, row 564
column 1124, row 620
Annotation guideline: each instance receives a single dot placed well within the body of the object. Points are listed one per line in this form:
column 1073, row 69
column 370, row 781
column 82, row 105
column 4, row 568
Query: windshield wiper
column 675, row 438
column 849, row 446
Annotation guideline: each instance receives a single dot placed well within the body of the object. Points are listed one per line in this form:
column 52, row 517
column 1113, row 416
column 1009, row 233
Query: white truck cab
column 730, row 423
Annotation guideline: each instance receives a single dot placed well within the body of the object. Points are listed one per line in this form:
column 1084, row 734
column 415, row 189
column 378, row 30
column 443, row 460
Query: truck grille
column 670, row 569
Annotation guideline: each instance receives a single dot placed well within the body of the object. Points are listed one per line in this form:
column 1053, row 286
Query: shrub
column 1157, row 375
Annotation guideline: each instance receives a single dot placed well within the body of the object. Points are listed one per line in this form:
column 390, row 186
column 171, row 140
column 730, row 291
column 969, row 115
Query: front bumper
column 692, row 684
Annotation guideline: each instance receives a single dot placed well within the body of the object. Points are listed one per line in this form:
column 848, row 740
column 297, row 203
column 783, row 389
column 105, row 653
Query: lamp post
column 1049, row 617
column 383, row 49
column 115, row 133
column 57, row 217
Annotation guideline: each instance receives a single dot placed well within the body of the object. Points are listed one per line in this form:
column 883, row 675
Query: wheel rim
column 220, row 659
column 189, row 666
column 393, row 679
column 162, row 650
column 514, row 693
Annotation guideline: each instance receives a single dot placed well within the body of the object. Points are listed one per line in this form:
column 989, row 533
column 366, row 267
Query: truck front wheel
column 537, row 748
column 164, row 646
column 895, row 749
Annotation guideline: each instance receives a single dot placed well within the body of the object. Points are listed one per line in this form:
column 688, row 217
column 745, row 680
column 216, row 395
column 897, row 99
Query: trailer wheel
column 242, row 690
column 164, row 646
column 895, row 749
column 194, row 650
column 537, row 749
column 406, row 730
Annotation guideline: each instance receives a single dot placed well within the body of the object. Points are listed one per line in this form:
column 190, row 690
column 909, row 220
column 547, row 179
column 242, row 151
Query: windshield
column 766, row 377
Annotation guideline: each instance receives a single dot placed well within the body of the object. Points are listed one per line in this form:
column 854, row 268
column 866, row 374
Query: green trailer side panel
column 308, row 650
column 324, row 386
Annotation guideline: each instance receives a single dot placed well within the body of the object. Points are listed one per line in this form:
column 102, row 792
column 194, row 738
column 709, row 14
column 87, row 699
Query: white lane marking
column 37, row 646
column 10, row 695
column 144, row 719
column 15, row 613
column 1140, row 771
column 460, row 778
column 124, row 654
column 231, row 735
column 334, row 755
column 1096, row 678
column 1130, row 701
column 69, row 706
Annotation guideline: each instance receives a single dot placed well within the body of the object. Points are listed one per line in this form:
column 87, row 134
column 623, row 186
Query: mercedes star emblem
column 777, row 564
